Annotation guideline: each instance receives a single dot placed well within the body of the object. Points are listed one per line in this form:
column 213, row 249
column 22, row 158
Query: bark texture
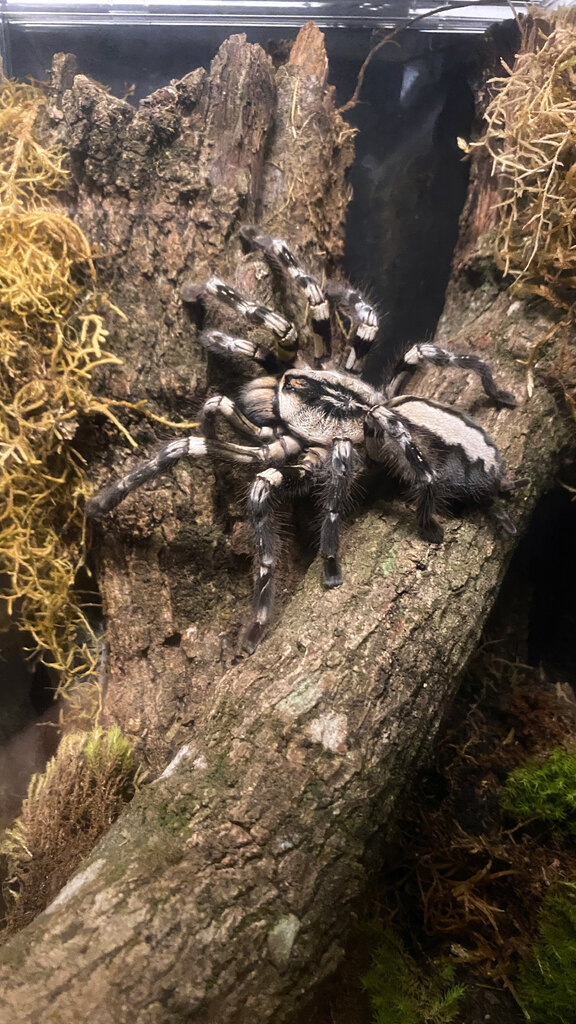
column 222, row 893
column 162, row 190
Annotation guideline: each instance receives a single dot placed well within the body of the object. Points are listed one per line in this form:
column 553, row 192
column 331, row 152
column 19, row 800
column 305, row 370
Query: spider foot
column 505, row 398
column 509, row 486
column 253, row 636
column 502, row 520
column 432, row 532
column 332, row 573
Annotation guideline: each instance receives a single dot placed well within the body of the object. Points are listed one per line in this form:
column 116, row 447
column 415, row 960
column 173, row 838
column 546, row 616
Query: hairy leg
column 288, row 267
column 241, row 348
column 341, row 469
column 389, row 440
column 419, row 355
column 194, row 447
column 363, row 322
column 282, row 258
column 256, row 313
column 221, row 405
column 263, row 492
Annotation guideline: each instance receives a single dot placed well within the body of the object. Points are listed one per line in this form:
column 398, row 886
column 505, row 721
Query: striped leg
column 220, row 405
column 363, row 322
column 255, row 313
column 348, row 301
column 282, row 259
column 261, row 512
column 265, row 534
column 419, row 355
column 388, row 439
column 225, row 345
column 342, row 468
column 196, row 447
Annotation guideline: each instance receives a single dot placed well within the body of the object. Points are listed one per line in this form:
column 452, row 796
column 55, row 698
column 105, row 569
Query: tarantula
column 322, row 426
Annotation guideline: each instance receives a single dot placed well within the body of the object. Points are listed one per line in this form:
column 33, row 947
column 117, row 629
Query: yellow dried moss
column 51, row 337
column 531, row 136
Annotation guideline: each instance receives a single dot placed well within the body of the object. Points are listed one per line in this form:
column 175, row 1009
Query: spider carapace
column 321, row 427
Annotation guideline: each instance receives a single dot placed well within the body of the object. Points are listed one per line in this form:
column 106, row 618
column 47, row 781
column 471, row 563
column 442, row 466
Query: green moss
column 174, row 816
column 388, row 564
column 545, row 790
column 66, row 811
column 108, row 751
column 402, row 993
column 219, row 772
column 547, row 982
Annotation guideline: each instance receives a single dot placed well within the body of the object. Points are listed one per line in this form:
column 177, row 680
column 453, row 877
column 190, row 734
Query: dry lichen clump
column 66, row 811
column 50, row 341
column 531, row 137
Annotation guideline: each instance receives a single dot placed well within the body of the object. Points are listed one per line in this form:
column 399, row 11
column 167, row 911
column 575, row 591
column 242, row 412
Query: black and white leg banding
column 388, row 439
column 284, row 259
column 225, row 345
column 419, row 355
column 111, row 496
column 255, row 313
column 222, row 406
column 363, row 322
column 278, row 451
column 263, row 492
column 341, row 470
column 262, row 519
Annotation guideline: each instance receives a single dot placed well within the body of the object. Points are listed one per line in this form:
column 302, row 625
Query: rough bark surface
column 162, row 190
column 222, row 893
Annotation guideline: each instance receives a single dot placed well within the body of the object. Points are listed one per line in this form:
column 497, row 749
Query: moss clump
column 51, row 339
column 531, row 137
column 175, row 816
column 547, row 981
column 401, row 993
column 66, row 811
column 545, row 790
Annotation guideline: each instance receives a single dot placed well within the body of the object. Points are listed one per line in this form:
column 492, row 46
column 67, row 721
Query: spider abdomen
column 463, row 457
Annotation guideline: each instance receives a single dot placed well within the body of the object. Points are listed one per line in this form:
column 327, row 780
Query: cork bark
column 223, row 892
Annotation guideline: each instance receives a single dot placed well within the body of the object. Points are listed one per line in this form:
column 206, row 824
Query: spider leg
column 221, row 405
column 501, row 518
column 509, row 486
column 498, row 514
column 363, row 322
column 225, row 345
column 261, row 514
column 341, row 469
column 419, row 355
column 283, row 261
column 256, row 313
column 264, row 531
column 282, row 258
column 388, row 439
column 197, row 447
